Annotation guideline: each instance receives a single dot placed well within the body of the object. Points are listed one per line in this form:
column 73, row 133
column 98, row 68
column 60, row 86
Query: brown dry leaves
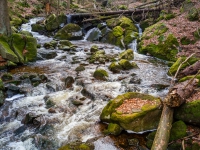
column 133, row 105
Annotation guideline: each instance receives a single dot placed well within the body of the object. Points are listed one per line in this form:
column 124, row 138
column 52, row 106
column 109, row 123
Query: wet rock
column 140, row 118
column 51, row 45
column 80, row 68
column 77, row 102
column 48, row 54
column 69, row 82
column 20, row 130
column 189, row 112
column 70, row 32
column 127, row 54
column 100, row 74
column 52, row 87
column 29, row 118
column 94, row 34
column 36, row 81
column 16, row 21
column 114, row 129
column 135, row 80
column 66, row 45
column 98, row 56
column 6, row 77
column 52, row 110
column 159, row 87
column 2, row 98
column 87, row 94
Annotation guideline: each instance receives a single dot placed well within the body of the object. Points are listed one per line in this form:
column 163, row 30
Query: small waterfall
column 133, row 45
column 93, row 34
column 69, row 19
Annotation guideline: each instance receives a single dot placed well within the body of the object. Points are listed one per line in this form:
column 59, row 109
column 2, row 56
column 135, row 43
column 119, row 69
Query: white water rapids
column 71, row 123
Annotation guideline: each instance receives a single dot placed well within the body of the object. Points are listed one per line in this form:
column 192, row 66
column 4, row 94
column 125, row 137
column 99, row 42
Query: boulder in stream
column 127, row 54
column 133, row 111
column 70, row 32
column 100, row 74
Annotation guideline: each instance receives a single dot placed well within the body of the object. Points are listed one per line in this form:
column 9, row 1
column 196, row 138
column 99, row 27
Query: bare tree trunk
column 4, row 19
column 176, row 96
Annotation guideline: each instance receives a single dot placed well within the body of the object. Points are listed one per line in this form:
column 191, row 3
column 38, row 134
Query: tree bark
column 4, row 19
column 163, row 132
column 176, row 96
column 191, row 70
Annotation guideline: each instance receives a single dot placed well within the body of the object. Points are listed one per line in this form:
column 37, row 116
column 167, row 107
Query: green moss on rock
column 115, row 67
column 175, row 66
column 94, row 49
column 6, row 52
column 113, row 128
column 166, row 49
column 127, row 54
column 70, row 32
column 189, row 112
column 117, row 31
column 37, row 27
column 125, row 64
column 100, row 74
column 190, row 77
column 178, row 130
column 144, row 119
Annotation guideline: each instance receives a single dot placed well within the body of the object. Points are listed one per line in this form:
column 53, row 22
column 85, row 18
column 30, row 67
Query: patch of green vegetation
column 193, row 14
column 100, row 74
column 24, row 4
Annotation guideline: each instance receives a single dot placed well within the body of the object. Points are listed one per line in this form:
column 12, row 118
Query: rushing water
column 70, row 123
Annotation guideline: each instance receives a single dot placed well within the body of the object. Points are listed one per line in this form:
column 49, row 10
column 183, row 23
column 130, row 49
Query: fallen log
column 81, row 16
column 191, row 70
column 176, row 96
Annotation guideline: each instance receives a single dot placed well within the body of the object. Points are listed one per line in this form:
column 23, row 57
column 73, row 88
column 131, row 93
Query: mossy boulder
column 130, row 36
column 189, row 112
column 94, row 49
column 6, row 77
column 53, row 22
column 70, row 32
column 99, row 57
column 37, row 27
column 15, row 21
column 77, row 146
column 139, row 119
column 193, row 14
column 113, row 128
column 174, row 67
column 117, row 31
column 66, row 45
column 51, row 45
column 126, row 65
column 26, row 33
column 178, row 130
column 100, row 74
column 115, row 67
column 5, row 50
column 166, row 49
column 25, row 47
column 127, row 54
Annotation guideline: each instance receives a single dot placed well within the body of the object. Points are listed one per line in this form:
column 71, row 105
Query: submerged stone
column 137, row 119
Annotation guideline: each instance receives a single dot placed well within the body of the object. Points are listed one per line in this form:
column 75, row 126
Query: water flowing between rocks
column 69, row 122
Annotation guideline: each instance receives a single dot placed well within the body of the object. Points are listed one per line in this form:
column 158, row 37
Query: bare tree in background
column 4, row 19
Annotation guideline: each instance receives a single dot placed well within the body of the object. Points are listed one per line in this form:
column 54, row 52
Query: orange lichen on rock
column 133, row 105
